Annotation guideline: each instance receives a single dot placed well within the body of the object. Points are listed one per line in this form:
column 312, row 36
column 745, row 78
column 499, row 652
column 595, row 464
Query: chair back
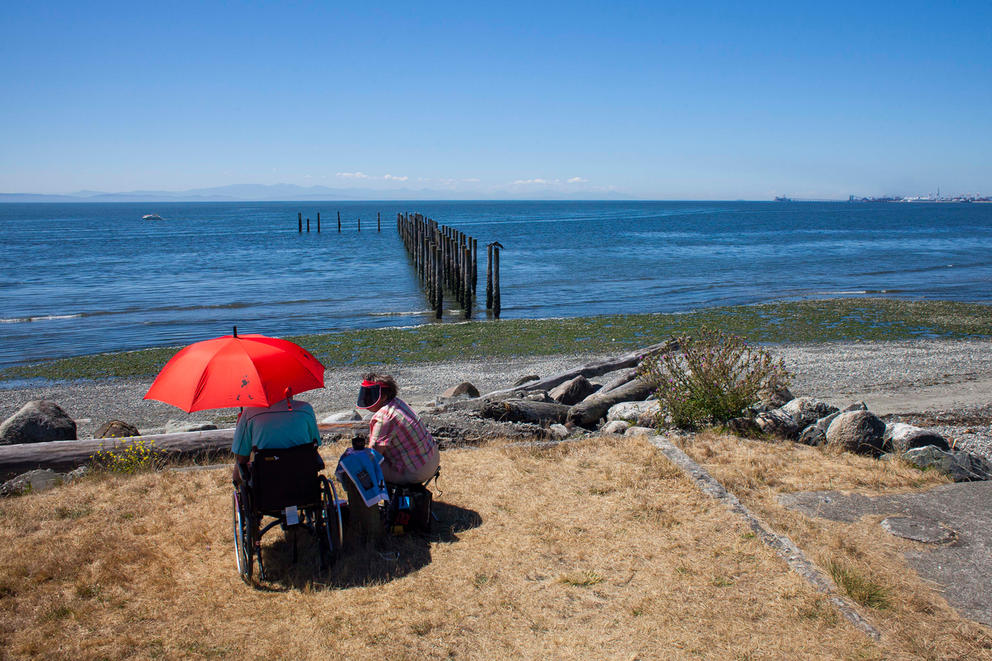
column 286, row 477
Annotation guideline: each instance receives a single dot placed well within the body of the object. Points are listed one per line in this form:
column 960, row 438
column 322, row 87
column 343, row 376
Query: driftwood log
column 523, row 410
column 63, row 456
column 592, row 369
column 588, row 412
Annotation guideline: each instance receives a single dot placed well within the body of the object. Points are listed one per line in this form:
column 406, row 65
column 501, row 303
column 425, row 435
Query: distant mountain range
column 292, row 193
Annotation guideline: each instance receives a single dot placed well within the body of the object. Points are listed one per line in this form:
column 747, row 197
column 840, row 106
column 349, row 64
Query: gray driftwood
column 64, row 456
column 523, row 410
column 592, row 369
column 588, row 412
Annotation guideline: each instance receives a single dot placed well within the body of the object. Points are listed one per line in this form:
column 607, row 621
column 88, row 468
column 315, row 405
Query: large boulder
column 41, row 479
column 806, row 410
column 900, row 437
column 116, row 429
column 857, row 431
column 778, row 424
column 960, row 466
column 617, row 427
column 813, row 435
column 38, row 421
column 572, row 391
column 643, row 413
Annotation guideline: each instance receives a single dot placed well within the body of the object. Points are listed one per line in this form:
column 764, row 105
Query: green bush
column 710, row 378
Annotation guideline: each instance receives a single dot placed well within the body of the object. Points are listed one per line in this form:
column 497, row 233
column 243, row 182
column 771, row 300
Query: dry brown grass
column 914, row 618
column 599, row 549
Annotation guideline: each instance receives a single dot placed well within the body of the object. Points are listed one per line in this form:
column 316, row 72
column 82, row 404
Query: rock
column 32, row 481
column 572, row 391
column 463, row 389
column 857, row 431
column 639, row 431
column 959, row 465
column 824, row 423
column 525, row 379
column 177, row 426
column 617, row 427
column 539, row 396
column 588, row 412
column 856, row 406
column 775, row 397
column 76, row 474
column 778, row 424
column 38, row 421
column 558, row 432
column 900, row 437
column 806, row 410
column 630, row 411
column 744, row 427
column 813, row 435
column 918, row 530
column 351, row 415
column 116, row 429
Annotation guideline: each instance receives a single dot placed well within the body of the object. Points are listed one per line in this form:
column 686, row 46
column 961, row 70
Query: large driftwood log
column 588, row 412
column 523, row 410
column 592, row 369
column 62, row 456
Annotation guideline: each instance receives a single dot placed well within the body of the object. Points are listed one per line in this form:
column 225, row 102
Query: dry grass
column 599, row 549
column 915, row 620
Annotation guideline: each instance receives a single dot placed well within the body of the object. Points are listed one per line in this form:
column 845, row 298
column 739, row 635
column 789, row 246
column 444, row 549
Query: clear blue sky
column 652, row 99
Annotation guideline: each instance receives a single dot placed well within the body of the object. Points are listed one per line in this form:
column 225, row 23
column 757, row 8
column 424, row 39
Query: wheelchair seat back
column 286, row 477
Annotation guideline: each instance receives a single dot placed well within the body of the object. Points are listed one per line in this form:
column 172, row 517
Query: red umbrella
column 236, row 370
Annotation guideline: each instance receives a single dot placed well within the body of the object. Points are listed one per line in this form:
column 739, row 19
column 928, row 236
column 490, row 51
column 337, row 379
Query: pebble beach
column 940, row 384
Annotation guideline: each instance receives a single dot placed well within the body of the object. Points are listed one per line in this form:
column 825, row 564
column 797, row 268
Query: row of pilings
column 299, row 222
column 446, row 259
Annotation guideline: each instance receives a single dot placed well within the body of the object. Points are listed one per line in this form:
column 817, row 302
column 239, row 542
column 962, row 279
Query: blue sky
column 653, row 100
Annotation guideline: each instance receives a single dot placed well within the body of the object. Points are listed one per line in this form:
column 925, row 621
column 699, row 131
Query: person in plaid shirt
column 410, row 453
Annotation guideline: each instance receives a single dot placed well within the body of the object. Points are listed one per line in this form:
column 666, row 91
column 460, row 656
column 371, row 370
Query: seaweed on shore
column 830, row 320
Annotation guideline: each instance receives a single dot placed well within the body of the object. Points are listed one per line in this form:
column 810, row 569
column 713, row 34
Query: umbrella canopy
column 236, row 370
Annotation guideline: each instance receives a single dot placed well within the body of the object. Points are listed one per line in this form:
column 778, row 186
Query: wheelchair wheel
column 333, row 533
column 242, row 536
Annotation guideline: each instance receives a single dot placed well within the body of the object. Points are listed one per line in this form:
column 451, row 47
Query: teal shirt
column 275, row 427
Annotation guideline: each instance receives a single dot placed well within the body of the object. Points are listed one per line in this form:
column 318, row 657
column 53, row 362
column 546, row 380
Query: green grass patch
column 797, row 321
column 859, row 587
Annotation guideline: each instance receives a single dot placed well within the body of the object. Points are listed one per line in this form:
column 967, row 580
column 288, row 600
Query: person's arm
column 239, row 460
column 241, row 447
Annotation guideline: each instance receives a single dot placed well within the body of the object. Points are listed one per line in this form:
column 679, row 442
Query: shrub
column 133, row 457
column 710, row 378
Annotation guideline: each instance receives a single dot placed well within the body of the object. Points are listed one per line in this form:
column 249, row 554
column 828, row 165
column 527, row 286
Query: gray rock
column 900, row 437
column 778, row 424
column 558, row 432
column 116, row 429
column 76, row 474
column 38, row 421
column 178, row 426
column 617, row 427
column 856, row 406
column 633, row 411
column 960, row 466
column 744, row 427
column 572, row 391
column 463, row 389
column 525, row 379
column 639, row 431
column 824, row 423
column 32, row 481
column 351, row 415
column 813, row 435
column 918, row 530
column 806, row 410
column 775, row 398
column 857, row 431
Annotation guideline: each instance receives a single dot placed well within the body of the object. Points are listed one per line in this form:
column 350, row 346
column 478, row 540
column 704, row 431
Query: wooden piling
column 378, row 221
column 299, row 221
column 496, row 301
column 359, row 224
column 308, row 224
column 318, row 222
column 339, row 222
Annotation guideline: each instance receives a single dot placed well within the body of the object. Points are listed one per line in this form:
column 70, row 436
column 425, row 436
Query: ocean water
column 87, row 278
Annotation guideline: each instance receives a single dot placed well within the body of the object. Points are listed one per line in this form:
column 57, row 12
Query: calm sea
column 85, row 278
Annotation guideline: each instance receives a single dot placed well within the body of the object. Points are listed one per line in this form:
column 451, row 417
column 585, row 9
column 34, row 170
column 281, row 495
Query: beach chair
column 286, row 486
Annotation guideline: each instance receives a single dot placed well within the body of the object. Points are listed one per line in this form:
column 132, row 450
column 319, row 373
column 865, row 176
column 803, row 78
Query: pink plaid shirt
column 397, row 433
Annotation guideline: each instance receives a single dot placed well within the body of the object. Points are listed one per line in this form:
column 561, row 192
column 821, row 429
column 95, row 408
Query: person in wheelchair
column 285, row 424
column 410, row 454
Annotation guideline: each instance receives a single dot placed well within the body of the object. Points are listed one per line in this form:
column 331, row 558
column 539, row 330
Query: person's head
column 376, row 391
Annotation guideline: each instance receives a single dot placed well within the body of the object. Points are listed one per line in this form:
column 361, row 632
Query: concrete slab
column 962, row 566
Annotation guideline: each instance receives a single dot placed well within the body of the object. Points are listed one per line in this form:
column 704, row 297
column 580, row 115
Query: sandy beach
column 944, row 383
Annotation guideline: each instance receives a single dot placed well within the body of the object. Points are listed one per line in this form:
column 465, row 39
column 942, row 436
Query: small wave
column 47, row 317
column 411, row 313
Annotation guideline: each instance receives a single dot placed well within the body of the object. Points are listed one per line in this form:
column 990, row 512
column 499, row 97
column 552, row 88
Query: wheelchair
column 285, row 485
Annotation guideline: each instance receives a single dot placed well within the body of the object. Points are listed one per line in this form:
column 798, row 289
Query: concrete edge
column 782, row 545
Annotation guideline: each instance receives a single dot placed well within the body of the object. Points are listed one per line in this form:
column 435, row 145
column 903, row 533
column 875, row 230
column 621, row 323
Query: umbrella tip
column 235, row 331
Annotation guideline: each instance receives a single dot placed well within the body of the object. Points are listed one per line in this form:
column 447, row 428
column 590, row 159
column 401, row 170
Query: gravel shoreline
column 942, row 384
